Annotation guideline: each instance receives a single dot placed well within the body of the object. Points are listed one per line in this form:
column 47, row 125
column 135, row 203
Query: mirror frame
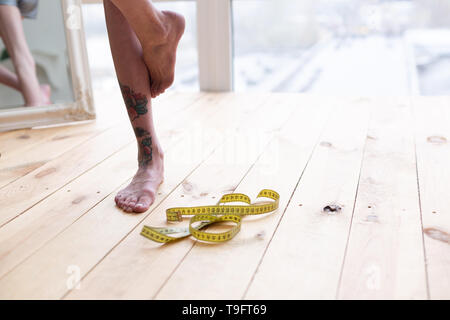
column 83, row 106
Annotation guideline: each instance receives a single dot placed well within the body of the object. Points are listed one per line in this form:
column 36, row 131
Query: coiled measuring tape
column 207, row 215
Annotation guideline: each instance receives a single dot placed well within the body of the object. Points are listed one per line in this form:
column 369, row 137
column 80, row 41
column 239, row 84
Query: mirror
column 44, row 73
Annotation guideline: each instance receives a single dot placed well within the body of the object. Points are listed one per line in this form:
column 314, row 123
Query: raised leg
column 9, row 78
column 134, row 82
column 14, row 39
column 159, row 33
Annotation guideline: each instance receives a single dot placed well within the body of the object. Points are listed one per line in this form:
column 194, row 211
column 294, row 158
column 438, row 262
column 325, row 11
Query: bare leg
column 9, row 78
column 14, row 38
column 159, row 33
column 134, row 82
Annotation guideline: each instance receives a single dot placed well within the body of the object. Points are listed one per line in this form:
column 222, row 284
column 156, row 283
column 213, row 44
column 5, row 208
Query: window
column 343, row 47
column 336, row 47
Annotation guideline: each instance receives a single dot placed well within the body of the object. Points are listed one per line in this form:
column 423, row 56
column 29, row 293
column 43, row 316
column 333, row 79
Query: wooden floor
column 382, row 163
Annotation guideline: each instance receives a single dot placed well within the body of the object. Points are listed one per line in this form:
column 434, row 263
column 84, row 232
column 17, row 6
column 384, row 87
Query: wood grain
column 385, row 257
column 278, row 168
column 84, row 243
column 362, row 212
column 205, row 185
column 304, row 257
column 432, row 118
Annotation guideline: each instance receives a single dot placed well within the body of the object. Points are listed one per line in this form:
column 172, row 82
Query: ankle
column 155, row 161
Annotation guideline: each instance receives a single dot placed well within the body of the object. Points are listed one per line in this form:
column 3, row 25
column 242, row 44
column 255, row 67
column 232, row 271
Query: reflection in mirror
column 34, row 64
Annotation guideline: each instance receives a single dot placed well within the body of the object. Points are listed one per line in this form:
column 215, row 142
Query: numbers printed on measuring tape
column 203, row 216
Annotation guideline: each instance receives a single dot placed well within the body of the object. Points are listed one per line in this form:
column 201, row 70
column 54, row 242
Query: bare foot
column 160, row 58
column 46, row 93
column 139, row 195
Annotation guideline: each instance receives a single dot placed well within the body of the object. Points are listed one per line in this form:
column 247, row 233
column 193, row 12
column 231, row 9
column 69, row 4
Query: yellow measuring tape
column 203, row 216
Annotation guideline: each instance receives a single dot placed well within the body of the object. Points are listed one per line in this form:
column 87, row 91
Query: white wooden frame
column 83, row 106
column 215, row 45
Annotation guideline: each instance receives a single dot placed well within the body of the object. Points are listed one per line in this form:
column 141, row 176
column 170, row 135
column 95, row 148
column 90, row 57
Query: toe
column 143, row 204
column 121, row 204
column 168, row 81
column 132, row 202
column 166, row 86
column 127, row 208
column 151, row 85
column 155, row 89
column 152, row 89
column 158, row 90
column 117, row 198
column 163, row 86
column 127, row 202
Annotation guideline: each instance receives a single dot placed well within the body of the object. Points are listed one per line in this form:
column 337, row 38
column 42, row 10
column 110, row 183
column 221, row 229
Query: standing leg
column 9, row 78
column 159, row 33
column 134, row 82
column 14, row 38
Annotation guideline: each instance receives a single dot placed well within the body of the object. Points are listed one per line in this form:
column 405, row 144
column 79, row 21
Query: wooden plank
column 197, row 189
column 432, row 118
column 385, row 257
column 11, row 174
column 279, row 168
column 42, row 222
column 25, row 150
column 47, row 144
column 90, row 238
column 24, row 138
column 25, row 234
column 304, row 257
column 25, row 192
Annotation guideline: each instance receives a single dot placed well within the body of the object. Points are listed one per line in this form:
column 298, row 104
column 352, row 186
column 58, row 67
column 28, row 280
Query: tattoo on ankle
column 135, row 102
column 141, row 132
column 145, row 146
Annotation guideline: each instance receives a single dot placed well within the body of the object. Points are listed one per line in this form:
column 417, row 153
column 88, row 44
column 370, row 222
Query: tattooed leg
column 159, row 33
column 145, row 147
column 136, row 103
column 135, row 86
